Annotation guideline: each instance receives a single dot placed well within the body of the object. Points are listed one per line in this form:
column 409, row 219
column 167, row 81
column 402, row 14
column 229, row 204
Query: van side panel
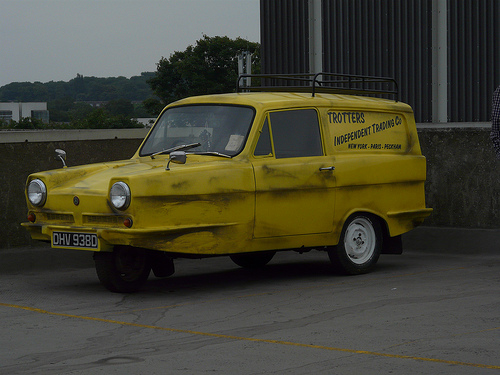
column 391, row 187
column 361, row 131
column 378, row 166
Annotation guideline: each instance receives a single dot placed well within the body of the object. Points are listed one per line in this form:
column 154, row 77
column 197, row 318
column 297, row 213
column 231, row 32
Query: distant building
column 17, row 111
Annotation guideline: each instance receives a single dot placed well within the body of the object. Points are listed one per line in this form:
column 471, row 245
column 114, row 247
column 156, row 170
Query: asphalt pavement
column 433, row 310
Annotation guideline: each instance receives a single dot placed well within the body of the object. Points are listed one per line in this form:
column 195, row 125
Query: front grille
column 55, row 217
column 104, row 220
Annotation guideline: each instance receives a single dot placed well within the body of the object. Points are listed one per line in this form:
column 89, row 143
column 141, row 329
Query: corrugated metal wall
column 473, row 58
column 389, row 38
column 393, row 38
column 285, row 36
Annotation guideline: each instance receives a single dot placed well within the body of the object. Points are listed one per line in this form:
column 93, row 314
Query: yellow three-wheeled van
column 246, row 174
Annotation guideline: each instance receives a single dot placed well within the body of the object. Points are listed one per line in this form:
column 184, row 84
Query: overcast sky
column 53, row 40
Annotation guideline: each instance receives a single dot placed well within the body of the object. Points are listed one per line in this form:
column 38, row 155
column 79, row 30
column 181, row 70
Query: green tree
column 78, row 84
column 101, row 119
column 80, row 88
column 141, row 111
column 27, row 123
column 153, row 106
column 209, row 67
column 59, row 109
column 79, row 111
column 120, row 107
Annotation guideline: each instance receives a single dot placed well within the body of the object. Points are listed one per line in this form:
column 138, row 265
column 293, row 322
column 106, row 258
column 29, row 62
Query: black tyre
column 359, row 246
column 161, row 264
column 253, row 260
column 124, row 270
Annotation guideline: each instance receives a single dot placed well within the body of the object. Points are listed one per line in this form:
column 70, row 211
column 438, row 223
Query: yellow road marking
column 230, row 337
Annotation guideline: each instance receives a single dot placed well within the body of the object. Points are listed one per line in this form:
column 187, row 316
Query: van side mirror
column 177, row 157
column 61, row 154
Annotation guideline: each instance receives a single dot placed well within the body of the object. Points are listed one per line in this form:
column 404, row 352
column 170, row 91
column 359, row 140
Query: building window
column 6, row 115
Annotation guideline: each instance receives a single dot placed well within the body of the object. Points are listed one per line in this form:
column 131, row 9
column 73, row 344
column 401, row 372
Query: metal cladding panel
column 473, row 58
column 390, row 38
column 284, row 36
column 394, row 38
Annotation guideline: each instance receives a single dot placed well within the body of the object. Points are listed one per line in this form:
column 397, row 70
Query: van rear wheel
column 359, row 246
column 124, row 270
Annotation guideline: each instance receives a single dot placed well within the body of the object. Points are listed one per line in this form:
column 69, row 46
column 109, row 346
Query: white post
column 439, row 61
column 245, row 67
column 315, row 38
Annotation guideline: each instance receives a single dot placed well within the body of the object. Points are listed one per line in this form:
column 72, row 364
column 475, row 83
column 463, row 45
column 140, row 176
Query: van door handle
column 327, row 169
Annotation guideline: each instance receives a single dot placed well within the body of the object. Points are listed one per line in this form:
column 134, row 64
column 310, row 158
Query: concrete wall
column 463, row 175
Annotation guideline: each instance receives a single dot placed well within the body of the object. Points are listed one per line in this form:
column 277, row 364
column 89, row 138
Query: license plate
column 75, row 240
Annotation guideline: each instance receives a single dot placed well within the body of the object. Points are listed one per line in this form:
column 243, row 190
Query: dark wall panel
column 394, row 38
column 284, row 36
column 390, row 38
column 473, row 58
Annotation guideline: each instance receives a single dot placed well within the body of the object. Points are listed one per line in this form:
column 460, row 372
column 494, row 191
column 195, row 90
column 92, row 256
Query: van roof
column 281, row 99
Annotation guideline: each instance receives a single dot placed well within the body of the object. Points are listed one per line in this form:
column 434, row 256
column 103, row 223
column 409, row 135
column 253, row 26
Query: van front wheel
column 359, row 246
column 124, row 270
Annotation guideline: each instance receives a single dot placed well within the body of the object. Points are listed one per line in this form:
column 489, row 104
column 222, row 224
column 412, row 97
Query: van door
column 295, row 182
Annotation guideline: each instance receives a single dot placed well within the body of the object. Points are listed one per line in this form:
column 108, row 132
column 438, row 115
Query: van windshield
column 218, row 128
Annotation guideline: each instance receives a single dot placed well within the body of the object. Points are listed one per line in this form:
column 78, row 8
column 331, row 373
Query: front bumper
column 192, row 239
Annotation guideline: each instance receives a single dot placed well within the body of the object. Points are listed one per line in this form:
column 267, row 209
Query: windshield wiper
column 176, row 148
column 214, row 153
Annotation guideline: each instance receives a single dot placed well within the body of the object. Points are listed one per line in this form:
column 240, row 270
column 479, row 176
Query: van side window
column 296, row 133
column 264, row 143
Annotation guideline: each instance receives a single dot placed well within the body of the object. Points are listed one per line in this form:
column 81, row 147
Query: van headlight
column 119, row 195
column 37, row 192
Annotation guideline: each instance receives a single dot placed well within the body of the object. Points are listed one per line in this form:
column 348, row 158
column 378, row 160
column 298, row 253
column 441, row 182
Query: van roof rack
column 332, row 83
